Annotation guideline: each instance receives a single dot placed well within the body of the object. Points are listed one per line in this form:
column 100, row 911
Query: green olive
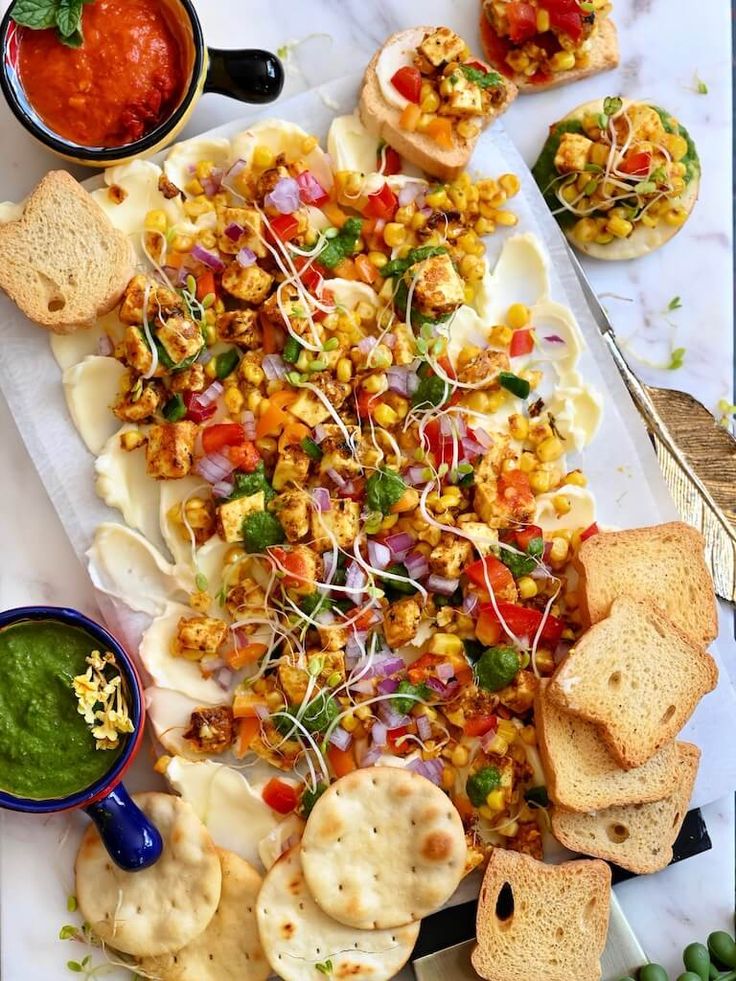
column 653, row 972
column 689, row 976
column 722, row 948
column 696, row 959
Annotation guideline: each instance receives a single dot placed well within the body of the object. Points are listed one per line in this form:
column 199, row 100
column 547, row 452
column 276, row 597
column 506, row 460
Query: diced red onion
column 470, row 602
column 416, row 565
column 487, row 739
column 380, row 225
column 444, row 691
column 439, row 584
column 105, row 347
column 400, row 545
column 355, row 644
column 379, row 555
column 274, row 367
column 390, row 341
column 387, row 686
column 554, row 339
column 212, row 183
column 430, row 769
column 540, row 572
column 330, row 563
column 262, row 712
column 204, row 356
column 246, row 257
column 210, row 394
column 223, row 488
column 224, row 678
column 211, row 663
column 210, row 259
column 424, row 727
column 249, row 424
column 561, row 651
column 321, row 498
column 409, row 193
column 445, row 671
column 372, row 756
column 325, row 617
column 234, row 231
column 383, row 666
column 366, row 344
column 364, row 686
column 310, row 189
column 472, row 448
column 392, row 718
column 398, row 380
column 320, row 434
column 341, row 738
column 335, row 477
column 284, row 197
column 214, row 467
column 236, row 168
column 379, row 734
column 446, row 426
column 347, row 489
column 355, row 580
column 416, row 475
column 427, row 212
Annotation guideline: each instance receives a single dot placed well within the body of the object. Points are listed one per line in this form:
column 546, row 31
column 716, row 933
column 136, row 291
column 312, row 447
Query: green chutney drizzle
column 46, row 748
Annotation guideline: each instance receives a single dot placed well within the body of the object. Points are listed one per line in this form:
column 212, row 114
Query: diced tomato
column 522, row 342
column 408, row 82
column 522, row 19
column 495, row 48
column 426, row 667
column 365, row 619
column 366, row 404
column 393, row 734
column 280, row 797
column 446, row 366
column 637, row 164
column 392, row 162
column 492, row 569
column 382, row 204
column 297, row 572
column 478, row 65
column 341, row 761
column 205, row 284
column 312, row 274
column 245, row 456
column 523, row 621
column 525, row 536
column 589, row 532
column 479, row 725
column 197, row 412
column 223, row 434
column 487, row 628
column 565, row 16
column 285, row 227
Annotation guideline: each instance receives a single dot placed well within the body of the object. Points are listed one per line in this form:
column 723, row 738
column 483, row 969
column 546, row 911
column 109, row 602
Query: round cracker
column 383, row 847
column 297, row 936
column 159, row 909
column 229, row 948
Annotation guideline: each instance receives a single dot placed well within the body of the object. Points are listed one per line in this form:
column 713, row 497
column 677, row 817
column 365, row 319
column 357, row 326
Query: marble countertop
column 329, row 38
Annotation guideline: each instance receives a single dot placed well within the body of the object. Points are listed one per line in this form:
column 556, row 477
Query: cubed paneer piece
column 136, row 350
column 142, row 408
column 309, row 408
column 572, row 153
column 439, row 289
column 336, row 392
column 449, row 558
column 338, row 454
column 292, row 509
column 342, row 522
column 465, row 100
column 484, row 367
column 211, row 729
column 330, row 661
column 251, row 283
column 230, row 515
column 180, row 338
column 292, row 467
column 404, row 350
column 519, row 695
column 240, row 228
column 303, row 569
column 400, row 622
column 484, row 537
column 287, row 305
column 502, row 505
column 169, row 450
column 489, row 466
column 646, row 124
column 241, row 327
column 293, row 681
column 190, row 380
column 162, row 301
column 441, row 46
column 333, row 636
column 198, row 636
column 247, row 595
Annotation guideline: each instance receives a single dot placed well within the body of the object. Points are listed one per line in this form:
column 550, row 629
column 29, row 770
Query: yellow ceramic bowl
column 250, row 75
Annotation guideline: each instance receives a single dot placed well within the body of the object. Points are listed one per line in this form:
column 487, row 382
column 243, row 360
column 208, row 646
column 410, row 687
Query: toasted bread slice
column 603, row 56
column 637, row 677
column 62, row 262
column 381, row 118
column 581, row 773
column 661, row 565
column 547, row 922
column 638, row 837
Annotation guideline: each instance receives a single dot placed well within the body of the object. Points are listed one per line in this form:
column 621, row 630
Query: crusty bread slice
column 604, row 56
column 662, row 565
column 547, row 922
column 638, row 837
column 637, row 677
column 62, row 262
column 382, row 120
column 581, row 773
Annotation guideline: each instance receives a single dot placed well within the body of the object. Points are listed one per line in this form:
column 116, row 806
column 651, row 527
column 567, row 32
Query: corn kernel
column 518, row 316
column 468, row 130
column 363, row 712
column 161, row 764
column 263, row 157
column 445, row 645
column 394, row 234
column 529, row 736
column 507, row 219
column 550, row 449
column 562, row 61
column 483, row 226
column 194, row 186
column 234, row 401
column 527, row 462
column 675, row 217
column 460, row 756
column 253, row 401
column 496, row 800
column 448, row 777
column 527, row 587
column 309, row 143
column 619, row 227
column 498, row 745
column 501, row 335
column 375, row 384
column 542, row 21
column 407, row 502
column 603, row 238
column 518, row 426
column 561, row 504
column 430, row 102
column 182, row 243
column 252, row 373
column 131, row 440
column 676, row 144
column 540, row 482
column 438, row 198
column 577, row 478
column 469, row 294
column 385, row 416
column 585, row 230
column 558, row 551
column 509, row 829
column 349, row 723
column 496, row 400
column 156, row 221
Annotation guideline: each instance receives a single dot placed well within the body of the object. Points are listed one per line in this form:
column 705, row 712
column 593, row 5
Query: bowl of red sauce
column 125, row 84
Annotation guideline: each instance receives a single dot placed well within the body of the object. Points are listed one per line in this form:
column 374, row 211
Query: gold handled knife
column 697, row 456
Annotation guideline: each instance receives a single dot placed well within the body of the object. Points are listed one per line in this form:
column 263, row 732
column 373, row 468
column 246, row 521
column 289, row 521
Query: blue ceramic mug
column 132, row 841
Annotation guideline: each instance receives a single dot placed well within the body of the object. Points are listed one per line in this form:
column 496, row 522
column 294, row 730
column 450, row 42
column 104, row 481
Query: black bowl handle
column 248, row 74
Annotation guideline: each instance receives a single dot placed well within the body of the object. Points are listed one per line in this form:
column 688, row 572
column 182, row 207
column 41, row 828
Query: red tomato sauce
column 127, row 77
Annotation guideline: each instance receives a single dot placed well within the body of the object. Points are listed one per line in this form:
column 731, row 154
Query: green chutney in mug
column 47, row 750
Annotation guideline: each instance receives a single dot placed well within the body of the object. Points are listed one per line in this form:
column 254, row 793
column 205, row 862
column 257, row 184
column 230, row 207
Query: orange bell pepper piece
column 365, row 269
column 294, row 433
column 205, row 284
column 244, row 706
column 335, row 214
column 341, row 761
column 440, row 130
column 346, row 269
column 238, row 657
column 275, row 418
column 248, row 729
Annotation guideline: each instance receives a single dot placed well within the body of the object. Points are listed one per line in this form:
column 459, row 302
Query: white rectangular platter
column 620, row 464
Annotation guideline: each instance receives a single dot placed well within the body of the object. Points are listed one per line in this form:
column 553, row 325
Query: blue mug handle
column 131, row 840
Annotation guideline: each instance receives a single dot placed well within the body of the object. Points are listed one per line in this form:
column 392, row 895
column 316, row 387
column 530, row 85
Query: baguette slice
column 637, row 677
column 662, row 565
column 62, row 262
column 638, row 837
column 604, row 56
column 558, row 924
column 382, row 119
column 581, row 773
